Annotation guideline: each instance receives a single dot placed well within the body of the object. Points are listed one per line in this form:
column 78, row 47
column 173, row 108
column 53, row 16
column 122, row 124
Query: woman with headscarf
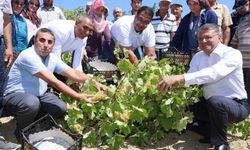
column 31, row 18
column 186, row 38
column 18, row 30
column 101, row 29
column 19, row 26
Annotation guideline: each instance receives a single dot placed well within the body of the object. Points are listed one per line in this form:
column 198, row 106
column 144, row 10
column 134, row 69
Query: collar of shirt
column 218, row 50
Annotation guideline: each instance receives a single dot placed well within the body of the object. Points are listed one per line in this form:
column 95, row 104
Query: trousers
column 26, row 108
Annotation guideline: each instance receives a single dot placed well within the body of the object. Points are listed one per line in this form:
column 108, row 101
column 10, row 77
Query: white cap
column 89, row 3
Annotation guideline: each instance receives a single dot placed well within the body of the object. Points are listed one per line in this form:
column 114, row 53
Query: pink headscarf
column 99, row 22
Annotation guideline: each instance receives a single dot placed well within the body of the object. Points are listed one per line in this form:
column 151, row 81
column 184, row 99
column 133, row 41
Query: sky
column 125, row 4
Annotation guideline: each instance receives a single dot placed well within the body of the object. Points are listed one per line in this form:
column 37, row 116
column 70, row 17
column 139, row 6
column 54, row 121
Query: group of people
column 33, row 39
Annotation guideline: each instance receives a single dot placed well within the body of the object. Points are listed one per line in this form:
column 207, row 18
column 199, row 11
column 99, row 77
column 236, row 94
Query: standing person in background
column 241, row 40
column 185, row 38
column 131, row 32
column 31, row 18
column 88, row 6
column 224, row 19
column 176, row 10
column 49, row 12
column 6, row 56
column 135, row 5
column 117, row 13
column 19, row 31
column 236, row 15
column 101, row 30
column 165, row 26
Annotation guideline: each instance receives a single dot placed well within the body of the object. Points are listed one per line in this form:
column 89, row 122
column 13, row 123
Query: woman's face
column 194, row 6
column 17, row 6
column 99, row 11
column 33, row 5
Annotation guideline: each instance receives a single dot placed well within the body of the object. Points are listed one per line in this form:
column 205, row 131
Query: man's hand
column 8, row 57
column 166, row 83
column 100, row 86
column 87, row 97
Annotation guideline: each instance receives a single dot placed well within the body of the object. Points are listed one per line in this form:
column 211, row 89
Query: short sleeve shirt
column 224, row 16
column 21, row 77
column 5, row 7
column 123, row 32
column 47, row 15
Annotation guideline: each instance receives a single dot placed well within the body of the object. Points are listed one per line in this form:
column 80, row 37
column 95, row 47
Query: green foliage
column 73, row 14
column 242, row 128
column 134, row 109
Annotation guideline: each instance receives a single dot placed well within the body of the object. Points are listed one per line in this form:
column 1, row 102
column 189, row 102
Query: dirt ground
column 186, row 141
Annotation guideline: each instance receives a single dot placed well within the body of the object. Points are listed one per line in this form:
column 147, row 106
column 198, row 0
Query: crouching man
column 219, row 69
column 26, row 97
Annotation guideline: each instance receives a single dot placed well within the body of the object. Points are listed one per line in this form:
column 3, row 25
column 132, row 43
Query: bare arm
column 79, row 76
column 7, row 40
column 226, row 35
column 150, row 52
column 132, row 57
column 47, row 76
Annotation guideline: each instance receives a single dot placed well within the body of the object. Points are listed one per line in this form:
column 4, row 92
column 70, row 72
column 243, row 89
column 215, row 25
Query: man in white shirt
column 134, row 31
column 71, row 36
column 6, row 56
column 219, row 69
column 49, row 12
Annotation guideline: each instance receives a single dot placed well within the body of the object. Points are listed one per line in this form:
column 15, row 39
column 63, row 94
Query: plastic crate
column 176, row 57
column 43, row 124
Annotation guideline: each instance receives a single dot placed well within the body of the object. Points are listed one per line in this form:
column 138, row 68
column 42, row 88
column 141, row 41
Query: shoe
column 5, row 145
column 222, row 147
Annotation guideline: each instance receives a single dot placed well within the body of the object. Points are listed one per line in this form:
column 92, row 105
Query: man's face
column 243, row 9
column 84, row 28
column 117, row 13
column 44, row 43
column 208, row 41
column 194, row 7
column 164, row 5
column 48, row 2
column 141, row 21
column 136, row 5
column 176, row 11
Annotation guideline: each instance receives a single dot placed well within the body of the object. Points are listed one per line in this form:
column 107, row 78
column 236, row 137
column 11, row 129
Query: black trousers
column 214, row 114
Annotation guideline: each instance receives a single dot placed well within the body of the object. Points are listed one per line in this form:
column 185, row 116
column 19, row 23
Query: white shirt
column 5, row 7
column 124, row 33
column 65, row 41
column 47, row 15
column 220, row 73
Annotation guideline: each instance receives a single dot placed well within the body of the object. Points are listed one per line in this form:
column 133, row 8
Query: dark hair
column 203, row 4
column 44, row 30
column 147, row 10
column 133, row 0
